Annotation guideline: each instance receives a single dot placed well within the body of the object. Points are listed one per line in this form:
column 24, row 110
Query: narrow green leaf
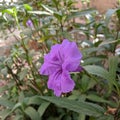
column 97, row 70
column 47, row 9
column 32, row 113
column 113, row 62
column 109, row 42
column 108, row 14
column 77, row 106
column 40, row 12
column 36, row 100
column 8, row 11
column 99, row 99
column 92, row 60
column 91, row 50
column 81, row 13
column 58, row 16
column 17, row 105
column 42, row 108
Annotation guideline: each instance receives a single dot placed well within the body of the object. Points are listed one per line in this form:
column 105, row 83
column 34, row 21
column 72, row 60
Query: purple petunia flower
column 62, row 59
column 29, row 23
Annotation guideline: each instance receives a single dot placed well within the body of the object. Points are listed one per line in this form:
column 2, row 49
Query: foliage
column 25, row 95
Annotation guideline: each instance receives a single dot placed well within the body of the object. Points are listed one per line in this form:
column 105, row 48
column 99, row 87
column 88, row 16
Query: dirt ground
column 101, row 5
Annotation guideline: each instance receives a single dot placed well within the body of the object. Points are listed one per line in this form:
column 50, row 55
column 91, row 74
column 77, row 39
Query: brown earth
column 101, row 5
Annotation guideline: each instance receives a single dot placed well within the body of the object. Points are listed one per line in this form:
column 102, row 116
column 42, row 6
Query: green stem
column 30, row 65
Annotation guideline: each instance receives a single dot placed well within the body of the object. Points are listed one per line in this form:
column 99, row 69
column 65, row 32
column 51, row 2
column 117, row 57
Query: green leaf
column 42, row 108
column 4, row 71
column 97, row 70
column 91, row 50
column 21, row 96
column 40, row 12
column 58, row 16
column 47, row 8
column 18, row 117
column 17, row 105
column 84, row 83
column 6, row 103
column 27, row 7
column 108, row 14
column 118, row 13
column 99, row 99
column 4, row 114
column 9, row 11
column 92, row 60
column 106, row 117
column 109, row 42
column 113, row 62
column 81, row 13
column 23, row 73
column 81, row 117
column 3, row 88
column 56, row 2
column 32, row 113
column 36, row 100
column 76, row 106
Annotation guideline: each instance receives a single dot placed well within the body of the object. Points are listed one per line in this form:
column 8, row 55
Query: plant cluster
column 44, row 24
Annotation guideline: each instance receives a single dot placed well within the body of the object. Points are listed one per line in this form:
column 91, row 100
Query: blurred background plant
column 41, row 24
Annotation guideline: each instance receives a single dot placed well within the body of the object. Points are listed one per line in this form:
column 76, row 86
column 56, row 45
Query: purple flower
column 29, row 23
column 62, row 59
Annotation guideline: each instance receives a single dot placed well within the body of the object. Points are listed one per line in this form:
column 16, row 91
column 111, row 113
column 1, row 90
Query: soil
column 101, row 5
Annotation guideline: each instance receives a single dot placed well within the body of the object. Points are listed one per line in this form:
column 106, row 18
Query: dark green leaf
column 4, row 114
column 99, row 99
column 18, row 117
column 36, row 100
column 113, row 62
column 43, row 107
column 23, row 73
column 77, row 106
column 32, row 113
column 106, row 117
column 108, row 14
column 97, row 70
column 6, row 103
column 92, row 60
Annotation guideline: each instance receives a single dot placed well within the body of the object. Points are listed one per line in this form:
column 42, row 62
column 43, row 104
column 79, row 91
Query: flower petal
column 60, row 83
column 51, row 62
column 70, row 49
column 72, row 56
column 48, row 68
column 67, row 84
column 71, row 64
column 54, row 83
